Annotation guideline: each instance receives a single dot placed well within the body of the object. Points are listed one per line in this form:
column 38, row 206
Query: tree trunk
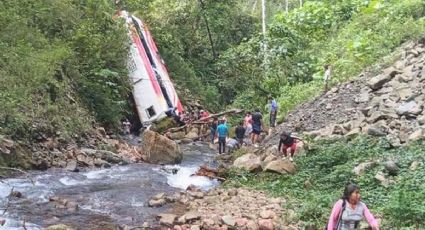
column 208, row 29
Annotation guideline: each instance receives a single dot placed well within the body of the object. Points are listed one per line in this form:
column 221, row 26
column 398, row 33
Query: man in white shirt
column 326, row 76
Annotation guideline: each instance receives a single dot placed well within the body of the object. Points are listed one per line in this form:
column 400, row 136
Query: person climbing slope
column 273, row 111
column 287, row 142
column 257, row 123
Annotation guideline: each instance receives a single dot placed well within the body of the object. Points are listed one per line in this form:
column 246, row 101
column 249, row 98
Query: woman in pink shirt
column 349, row 211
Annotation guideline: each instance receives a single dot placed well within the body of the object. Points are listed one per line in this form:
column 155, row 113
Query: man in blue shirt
column 273, row 111
column 222, row 132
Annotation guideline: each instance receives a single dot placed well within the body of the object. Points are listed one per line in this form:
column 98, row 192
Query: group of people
column 183, row 118
column 247, row 132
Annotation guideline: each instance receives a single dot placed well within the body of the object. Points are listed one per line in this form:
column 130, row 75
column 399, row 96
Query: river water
column 106, row 198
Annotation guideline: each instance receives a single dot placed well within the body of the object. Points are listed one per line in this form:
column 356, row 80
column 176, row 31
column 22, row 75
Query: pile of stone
column 390, row 104
column 230, row 209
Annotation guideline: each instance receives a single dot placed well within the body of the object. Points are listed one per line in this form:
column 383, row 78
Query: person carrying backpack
column 349, row 211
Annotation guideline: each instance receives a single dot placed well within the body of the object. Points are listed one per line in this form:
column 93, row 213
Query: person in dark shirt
column 240, row 133
column 287, row 141
column 213, row 129
column 257, row 123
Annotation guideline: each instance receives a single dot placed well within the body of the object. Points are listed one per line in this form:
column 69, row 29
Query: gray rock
column 249, row 162
column 362, row 167
column 59, row 227
column 378, row 81
column 160, row 150
column 157, row 203
column 72, row 166
column 167, row 219
column 391, row 167
column 409, row 108
column 192, row 216
column 373, row 131
column 228, row 220
column 281, row 166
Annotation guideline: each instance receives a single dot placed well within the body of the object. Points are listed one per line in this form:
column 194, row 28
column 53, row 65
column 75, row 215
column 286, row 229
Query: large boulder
column 160, row 150
column 249, row 162
column 281, row 166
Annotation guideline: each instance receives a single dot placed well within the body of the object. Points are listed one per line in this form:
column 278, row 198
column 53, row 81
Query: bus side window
column 151, row 111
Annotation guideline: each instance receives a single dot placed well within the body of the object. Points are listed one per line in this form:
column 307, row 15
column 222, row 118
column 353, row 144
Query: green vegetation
column 63, row 66
column 214, row 48
column 328, row 166
column 64, row 62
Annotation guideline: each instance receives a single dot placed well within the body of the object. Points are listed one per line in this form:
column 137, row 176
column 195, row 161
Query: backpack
column 344, row 202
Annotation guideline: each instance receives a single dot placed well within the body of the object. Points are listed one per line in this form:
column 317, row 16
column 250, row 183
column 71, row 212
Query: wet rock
column 72, row 166
column 166, row 219
column 249, row 162
column 159, row 196
column 156, row 202
column 392, row 168
column 265, row 224
column 16, row 194
column 59, row 227
column 160, row 150
column 281, row 166
column 228, row 220
column 109, row 156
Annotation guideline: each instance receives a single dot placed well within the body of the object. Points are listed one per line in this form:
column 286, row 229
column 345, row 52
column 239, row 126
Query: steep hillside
column 388, row 104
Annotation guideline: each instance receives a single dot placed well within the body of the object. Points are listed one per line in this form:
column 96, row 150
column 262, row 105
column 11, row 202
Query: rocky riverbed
column 106, row 198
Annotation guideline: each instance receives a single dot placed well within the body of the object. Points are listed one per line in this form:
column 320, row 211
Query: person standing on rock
column 240, row 133
column 287, row 142
column 223, row 132
column 273, row 111
column 349, row 211
column 257, row 123
column 326, row 76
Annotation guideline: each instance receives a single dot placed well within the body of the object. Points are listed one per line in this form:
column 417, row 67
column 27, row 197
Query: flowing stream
column 106, row 198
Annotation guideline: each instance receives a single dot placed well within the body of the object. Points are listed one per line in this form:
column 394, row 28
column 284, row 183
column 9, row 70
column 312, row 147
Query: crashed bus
column 153, row 91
